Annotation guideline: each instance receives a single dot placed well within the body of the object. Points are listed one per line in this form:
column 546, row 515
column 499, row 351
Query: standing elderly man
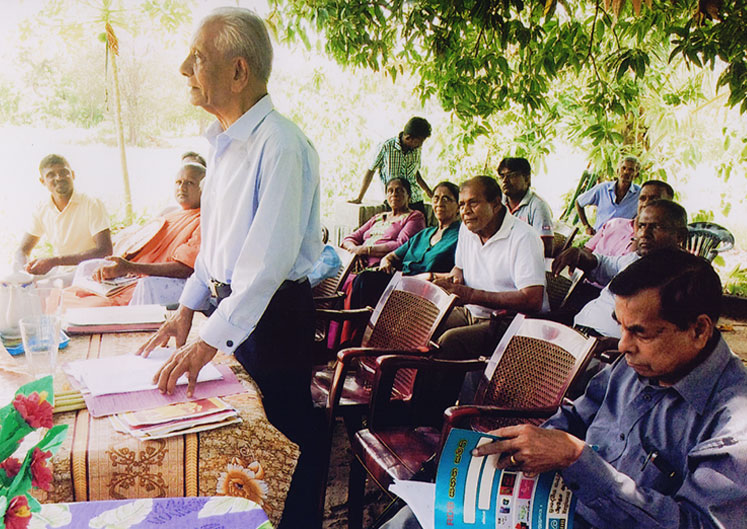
column 260, row 239
column 618, row 198
column 659, row 438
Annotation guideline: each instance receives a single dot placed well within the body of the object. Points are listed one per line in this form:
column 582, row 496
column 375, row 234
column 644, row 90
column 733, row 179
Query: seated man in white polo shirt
column 499, row 266
column 75, row 224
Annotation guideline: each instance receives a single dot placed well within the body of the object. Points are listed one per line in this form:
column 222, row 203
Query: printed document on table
column 129, row 373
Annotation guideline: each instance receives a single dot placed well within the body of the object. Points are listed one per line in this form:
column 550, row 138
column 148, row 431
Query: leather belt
column 219, row 290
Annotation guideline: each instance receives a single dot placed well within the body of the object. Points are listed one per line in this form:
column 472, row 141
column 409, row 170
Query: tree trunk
column 120, row 139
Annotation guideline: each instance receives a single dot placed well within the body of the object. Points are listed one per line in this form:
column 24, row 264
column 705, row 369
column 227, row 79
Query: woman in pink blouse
column 385, row 232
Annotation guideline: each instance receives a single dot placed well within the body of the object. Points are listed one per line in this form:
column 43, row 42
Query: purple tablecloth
column 220, row 512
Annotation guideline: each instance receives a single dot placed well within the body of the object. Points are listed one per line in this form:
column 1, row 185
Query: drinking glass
column 41, row 341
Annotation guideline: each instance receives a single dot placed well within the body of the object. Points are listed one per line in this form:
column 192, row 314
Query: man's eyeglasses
column 509, row 174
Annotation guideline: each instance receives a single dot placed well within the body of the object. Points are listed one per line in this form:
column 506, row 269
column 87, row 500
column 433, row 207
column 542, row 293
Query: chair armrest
column 386, row 370
column 457, row 416
column 339, row 296
column 345, row 358
column 354, row 315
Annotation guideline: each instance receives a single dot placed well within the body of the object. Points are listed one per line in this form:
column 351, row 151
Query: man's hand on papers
column 177, row 326
column 188, row 359
column 116, row 267
column 531, row 449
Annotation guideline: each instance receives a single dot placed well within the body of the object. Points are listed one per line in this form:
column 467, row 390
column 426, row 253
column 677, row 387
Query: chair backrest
column 560, row 287
column 331, row 285
column 407, row 315
column 563, row 236
column 707, row 239
column 533, row 366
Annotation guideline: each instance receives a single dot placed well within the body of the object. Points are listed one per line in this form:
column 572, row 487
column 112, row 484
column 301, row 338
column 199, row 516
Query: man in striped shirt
column 399, row 157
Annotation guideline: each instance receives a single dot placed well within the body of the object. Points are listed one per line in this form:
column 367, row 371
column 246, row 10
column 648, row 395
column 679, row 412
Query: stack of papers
column 128, row 373
column 176, row 419
column 124, row 383
column 114, row 319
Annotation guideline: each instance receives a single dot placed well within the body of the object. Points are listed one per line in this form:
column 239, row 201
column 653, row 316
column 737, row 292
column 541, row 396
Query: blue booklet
column 472, row 494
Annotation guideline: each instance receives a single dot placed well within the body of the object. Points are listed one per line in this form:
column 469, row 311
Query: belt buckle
column 213, row 287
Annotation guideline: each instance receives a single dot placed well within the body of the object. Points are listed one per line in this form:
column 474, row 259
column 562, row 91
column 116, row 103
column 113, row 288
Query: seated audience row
column 659, row 438
column 161, row 253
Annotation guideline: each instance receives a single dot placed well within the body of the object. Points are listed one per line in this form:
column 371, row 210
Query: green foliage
column 576, row 69
column 736, row 281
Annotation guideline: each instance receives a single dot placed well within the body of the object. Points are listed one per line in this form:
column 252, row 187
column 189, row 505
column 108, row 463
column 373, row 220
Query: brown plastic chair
column 563, row 236
column 525, row 380
column 328, row 295
column 560, row 287
column 403, row 322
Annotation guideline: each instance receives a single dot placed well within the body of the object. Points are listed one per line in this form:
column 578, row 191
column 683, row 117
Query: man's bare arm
column 120, row 267
column 528, row 299
column 423, row 185
column 367, row 178
column 582, row 217
column 102, row 248
column 21, row 257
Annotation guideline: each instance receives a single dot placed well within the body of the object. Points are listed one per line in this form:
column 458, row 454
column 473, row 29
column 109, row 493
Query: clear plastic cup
column 41, row 341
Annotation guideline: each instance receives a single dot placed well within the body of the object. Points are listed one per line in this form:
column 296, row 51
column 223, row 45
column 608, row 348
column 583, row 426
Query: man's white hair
column 630, row 158
column 243, row 33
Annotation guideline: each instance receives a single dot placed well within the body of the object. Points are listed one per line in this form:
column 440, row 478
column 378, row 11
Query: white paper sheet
column 116, row 315
column 420, row 497
column 127, row 373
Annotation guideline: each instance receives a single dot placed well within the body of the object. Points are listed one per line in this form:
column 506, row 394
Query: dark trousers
column 368, row 286
column 277, row 355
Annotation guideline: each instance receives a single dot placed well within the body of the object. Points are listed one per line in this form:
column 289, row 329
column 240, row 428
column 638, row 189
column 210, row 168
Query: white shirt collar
column 243, row 127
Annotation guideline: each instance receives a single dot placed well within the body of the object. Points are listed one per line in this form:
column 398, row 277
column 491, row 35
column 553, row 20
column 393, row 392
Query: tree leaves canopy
column 590, row 69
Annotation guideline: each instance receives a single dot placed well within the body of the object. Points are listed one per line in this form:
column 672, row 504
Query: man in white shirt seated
column 75, row 224
column 660, row 224
column 499, row 266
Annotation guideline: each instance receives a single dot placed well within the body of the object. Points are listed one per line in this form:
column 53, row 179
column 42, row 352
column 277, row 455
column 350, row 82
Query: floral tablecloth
column 150, row 513
column 252, row 459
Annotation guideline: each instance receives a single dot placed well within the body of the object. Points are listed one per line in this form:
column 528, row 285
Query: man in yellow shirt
column 76, row 225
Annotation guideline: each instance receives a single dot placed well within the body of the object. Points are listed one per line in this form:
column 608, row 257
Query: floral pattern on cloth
column 161, row 513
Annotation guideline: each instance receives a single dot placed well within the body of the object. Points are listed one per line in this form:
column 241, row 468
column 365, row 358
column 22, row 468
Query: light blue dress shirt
column 260, row 220
column 602, row 196
column 661, row 457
